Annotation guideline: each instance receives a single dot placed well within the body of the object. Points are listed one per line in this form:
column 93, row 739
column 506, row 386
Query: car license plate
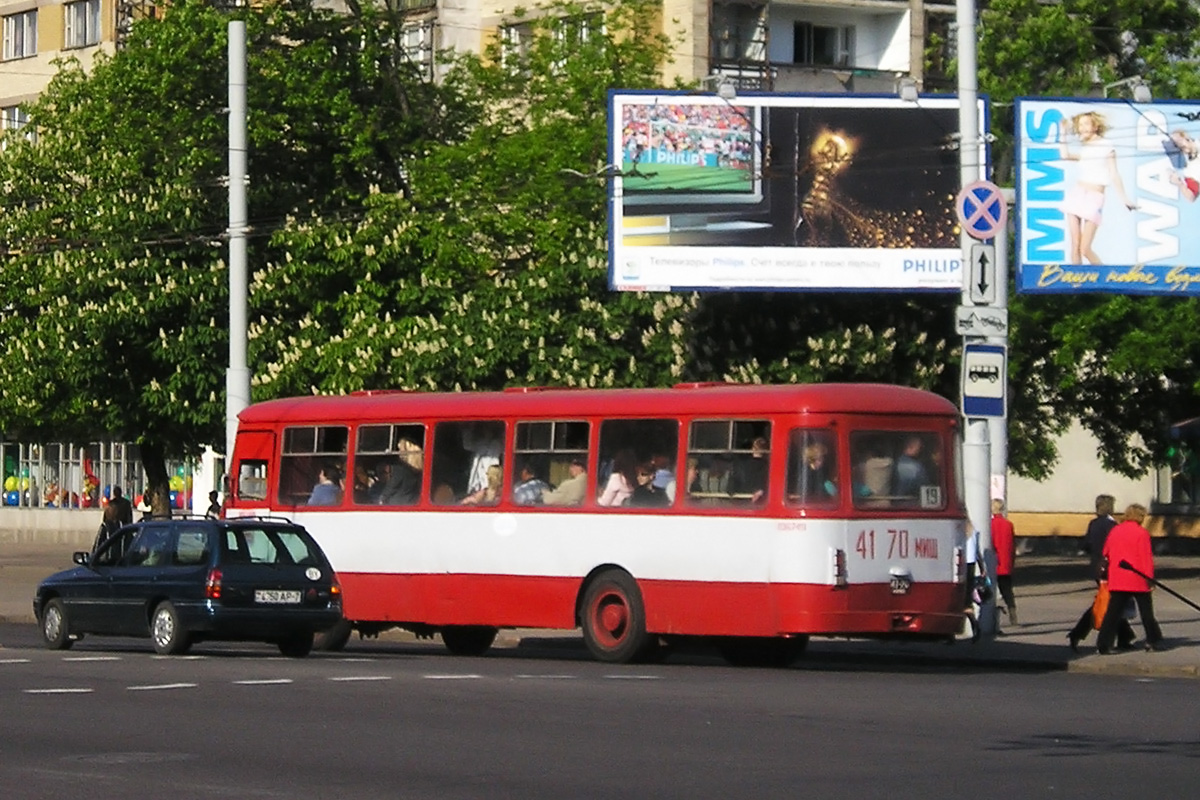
column 901, row 584
column 276, row 596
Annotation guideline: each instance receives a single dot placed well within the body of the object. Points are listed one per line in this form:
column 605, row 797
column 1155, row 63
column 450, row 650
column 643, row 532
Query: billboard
column 1106, row 196
column 791, row 192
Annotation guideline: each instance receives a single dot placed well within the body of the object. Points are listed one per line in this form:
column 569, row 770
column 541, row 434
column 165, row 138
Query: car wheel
column 297, row 645
column 468, row 640
column 55, row 627
column 614, row 621
column 170, row 639
column 334, row 639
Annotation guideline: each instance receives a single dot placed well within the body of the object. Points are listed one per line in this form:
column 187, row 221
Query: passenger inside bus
column 328, row 489
column 621, row 482
column 749, row 478
column 489, row 495
column 529, row 488
column 571, row 491
column 816, row 476
column 401, row 480
column 911, row 473
column 645, row 493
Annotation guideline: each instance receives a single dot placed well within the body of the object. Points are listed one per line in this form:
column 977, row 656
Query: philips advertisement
column 784, row 192
column 1106, row 197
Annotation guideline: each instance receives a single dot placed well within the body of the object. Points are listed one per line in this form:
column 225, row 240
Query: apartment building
column 770, row 45
column 37, row 32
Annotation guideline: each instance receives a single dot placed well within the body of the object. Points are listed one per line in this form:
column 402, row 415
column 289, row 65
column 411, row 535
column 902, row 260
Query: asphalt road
column 109, row 719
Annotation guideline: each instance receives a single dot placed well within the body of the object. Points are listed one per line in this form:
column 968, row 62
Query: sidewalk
column 1051, row 591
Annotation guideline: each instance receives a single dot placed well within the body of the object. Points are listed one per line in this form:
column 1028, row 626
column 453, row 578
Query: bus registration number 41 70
column 901, row 584
column 276, row 596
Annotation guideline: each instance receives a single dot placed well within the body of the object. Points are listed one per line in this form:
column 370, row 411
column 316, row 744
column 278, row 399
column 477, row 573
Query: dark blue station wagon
column 181, row 581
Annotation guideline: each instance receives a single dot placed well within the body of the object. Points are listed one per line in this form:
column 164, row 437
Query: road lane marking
column 91, row 658
column 349, row 678
column 633, row 677
column 264, row 682
column 178, row 658
column 466, row 677
column 58, row 691
column 14, row 660
column 548, row 677
column 156, row 687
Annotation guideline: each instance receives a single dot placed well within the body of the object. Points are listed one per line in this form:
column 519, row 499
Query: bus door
column 251, row 467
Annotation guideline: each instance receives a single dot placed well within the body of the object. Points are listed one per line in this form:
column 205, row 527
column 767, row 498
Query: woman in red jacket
column 1004, row 540
column 1129, row 542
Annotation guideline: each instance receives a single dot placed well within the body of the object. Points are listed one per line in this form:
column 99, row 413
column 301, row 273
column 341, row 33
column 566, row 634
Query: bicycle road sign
column 982, row 210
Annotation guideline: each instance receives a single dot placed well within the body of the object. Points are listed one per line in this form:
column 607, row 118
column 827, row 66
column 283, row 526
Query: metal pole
column 976, row 458
column 237, row 377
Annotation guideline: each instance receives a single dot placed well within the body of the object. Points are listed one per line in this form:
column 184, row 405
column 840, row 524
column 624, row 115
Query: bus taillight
column 839, row 568
column 212, row 586
column 960, row 566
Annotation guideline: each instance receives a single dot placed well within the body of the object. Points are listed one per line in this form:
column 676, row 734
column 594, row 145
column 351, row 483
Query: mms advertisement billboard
column 1106, row 196
column 787, row 192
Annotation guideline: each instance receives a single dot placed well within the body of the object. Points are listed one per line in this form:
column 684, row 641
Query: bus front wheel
column 614, row 619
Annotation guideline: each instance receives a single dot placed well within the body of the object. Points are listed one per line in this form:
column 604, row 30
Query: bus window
column 388, row 464
column 252, row 480
column 812, row 468
column 732, row 461
column 542, row 455
column 462, row 453
column 637, row 462
column 898, row 469
column 307, row 451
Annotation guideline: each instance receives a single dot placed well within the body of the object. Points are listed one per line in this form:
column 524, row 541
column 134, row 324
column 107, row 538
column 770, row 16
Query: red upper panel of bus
column 686, row 399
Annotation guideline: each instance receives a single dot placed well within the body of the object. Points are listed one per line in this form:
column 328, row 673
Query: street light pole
column 237, row 376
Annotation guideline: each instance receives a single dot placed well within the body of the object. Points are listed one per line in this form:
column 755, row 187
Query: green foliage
column 492, row 269
column 406, row 233
column 1123, row 366
column 114, row 287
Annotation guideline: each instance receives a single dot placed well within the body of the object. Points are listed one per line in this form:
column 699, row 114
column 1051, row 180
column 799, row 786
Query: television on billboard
column 784, row 192
column 1106, row 196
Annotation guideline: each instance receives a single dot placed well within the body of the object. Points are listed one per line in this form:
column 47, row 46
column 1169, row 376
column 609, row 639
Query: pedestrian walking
column 1093, row 541
column 1129, row 542
column 1004, row 539
column 214, row 506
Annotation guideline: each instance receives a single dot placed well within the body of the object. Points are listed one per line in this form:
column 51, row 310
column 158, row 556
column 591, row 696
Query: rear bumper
column 216, row 621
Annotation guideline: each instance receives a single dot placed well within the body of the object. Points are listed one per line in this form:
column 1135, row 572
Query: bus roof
column 683, row 399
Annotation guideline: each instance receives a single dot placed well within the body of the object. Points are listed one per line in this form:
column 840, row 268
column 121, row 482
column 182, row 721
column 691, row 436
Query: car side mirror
column 81, row 557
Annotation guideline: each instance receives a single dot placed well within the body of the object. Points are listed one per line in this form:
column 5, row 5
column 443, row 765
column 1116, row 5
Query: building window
column 516, row 41
column 823, row 45
column 20, row 35
column 416, row 41
column 14, row 118
column 82, row 23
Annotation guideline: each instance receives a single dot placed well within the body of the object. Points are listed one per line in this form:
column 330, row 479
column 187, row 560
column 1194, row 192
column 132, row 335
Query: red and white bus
column 757, row 515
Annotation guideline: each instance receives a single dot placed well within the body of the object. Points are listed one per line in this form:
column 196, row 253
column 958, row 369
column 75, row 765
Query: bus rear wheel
column 614, row 619
column 468, row 640
column 761, row 651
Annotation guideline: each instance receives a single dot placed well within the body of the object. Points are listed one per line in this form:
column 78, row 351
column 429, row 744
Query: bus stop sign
column 984, row 380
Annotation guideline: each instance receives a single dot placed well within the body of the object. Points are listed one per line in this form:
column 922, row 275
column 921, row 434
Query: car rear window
column 269, row 546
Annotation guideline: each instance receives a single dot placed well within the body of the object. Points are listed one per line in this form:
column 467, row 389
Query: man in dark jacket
column 1093, row 541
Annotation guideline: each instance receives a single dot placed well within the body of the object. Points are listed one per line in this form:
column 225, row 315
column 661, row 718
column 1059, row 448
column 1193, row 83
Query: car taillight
column 212, row 586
